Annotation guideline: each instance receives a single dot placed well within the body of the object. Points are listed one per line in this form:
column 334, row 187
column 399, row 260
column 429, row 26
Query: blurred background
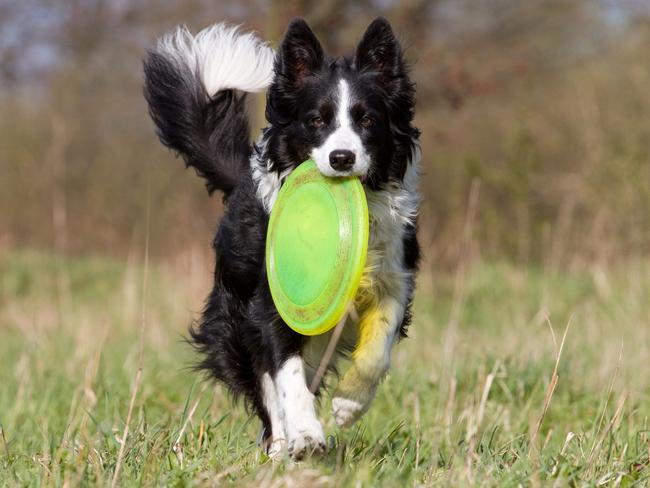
column 540, row 106
column 536, row 215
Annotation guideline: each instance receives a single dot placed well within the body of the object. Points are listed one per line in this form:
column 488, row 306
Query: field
column 478, row 395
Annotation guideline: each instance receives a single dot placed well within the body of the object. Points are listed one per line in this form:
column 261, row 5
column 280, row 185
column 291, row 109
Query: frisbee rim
column 329, row 306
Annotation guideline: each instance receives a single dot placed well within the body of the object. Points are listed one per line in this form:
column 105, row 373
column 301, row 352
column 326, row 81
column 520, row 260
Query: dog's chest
column 390, row 209
column 384, row 272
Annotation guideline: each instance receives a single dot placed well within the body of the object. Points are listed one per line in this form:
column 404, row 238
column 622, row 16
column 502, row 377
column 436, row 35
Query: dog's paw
column 307, row 443
column 276, row 448
column 346, row 411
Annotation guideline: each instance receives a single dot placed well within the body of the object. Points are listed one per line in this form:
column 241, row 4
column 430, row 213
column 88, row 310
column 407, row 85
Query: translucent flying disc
column 316, row 247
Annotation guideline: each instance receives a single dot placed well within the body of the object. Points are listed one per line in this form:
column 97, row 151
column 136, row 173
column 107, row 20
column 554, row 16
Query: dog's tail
column 190, row 84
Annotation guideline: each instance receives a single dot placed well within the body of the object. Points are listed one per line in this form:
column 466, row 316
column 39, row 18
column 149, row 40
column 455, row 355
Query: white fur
column 399, row 202
column 270, row 399
column 267, row 182
column 344, row 137
column 297, row 404
column 222, row 57
column 345, row 411
column 390, row 209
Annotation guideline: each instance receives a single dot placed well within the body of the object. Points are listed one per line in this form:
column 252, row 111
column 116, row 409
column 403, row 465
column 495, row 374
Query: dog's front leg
column 378, row 329
column 303, row 429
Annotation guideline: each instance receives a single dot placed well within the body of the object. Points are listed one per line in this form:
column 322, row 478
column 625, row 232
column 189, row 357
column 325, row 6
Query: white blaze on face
column 344, row 137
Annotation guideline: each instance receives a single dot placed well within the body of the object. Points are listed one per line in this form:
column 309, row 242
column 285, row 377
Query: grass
column 461, row 406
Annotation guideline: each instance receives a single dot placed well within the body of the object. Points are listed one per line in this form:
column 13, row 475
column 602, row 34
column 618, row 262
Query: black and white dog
column 352, row 116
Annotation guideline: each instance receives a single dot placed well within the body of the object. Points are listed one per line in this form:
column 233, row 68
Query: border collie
column 352, row 116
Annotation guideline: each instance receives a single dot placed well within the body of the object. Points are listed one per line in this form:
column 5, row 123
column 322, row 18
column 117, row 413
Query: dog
column 352, row 116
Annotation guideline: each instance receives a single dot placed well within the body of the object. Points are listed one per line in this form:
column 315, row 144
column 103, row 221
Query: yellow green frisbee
column 316, row 247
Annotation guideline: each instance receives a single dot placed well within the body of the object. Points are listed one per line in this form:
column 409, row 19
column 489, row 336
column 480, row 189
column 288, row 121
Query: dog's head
column 351, row 115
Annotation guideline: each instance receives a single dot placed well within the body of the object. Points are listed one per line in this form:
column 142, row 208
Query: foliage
column 543, row 103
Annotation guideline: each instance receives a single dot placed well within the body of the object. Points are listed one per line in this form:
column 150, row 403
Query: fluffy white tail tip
column 222, row 56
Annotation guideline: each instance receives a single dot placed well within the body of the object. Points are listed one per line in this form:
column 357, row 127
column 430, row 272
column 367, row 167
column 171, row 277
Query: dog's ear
column 300, row 53
column 379, row 50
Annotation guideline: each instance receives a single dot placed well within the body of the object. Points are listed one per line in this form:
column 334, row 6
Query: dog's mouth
column 360, row 170
column 363, row 177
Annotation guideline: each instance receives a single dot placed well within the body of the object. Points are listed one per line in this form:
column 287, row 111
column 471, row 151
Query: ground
column 472, row 399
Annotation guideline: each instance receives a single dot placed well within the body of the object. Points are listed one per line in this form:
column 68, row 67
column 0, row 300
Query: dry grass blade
column 177, row 446
column 615, row 418
column 4, row 441
column 475, row 420
column 551, row 387
column 609, row 396
column 465, row 255
column 484, row 396
column 460, row 280
column 331, row 347
column 416, row 417
column 138, row 375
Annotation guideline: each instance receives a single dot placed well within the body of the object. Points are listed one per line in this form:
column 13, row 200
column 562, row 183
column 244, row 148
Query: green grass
column 459, row 408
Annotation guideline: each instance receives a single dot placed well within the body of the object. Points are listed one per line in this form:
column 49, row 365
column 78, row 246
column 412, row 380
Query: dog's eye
column 367, row 121
column 317, row 122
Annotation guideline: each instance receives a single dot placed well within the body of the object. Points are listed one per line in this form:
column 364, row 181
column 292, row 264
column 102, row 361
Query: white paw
column 346, row 411
column 307, row 443
column 276, row 448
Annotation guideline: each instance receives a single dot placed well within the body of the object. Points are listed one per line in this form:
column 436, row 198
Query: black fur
column 412, row 257
column 212, row 134
column 241, row 335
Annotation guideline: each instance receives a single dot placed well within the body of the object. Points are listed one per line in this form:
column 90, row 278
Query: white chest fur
column 391, row 210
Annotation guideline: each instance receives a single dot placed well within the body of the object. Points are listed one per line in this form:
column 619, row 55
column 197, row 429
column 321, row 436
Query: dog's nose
column 341, row 159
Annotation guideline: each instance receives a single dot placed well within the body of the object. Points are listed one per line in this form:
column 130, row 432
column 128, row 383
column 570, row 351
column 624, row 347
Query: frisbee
column 316, row 246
